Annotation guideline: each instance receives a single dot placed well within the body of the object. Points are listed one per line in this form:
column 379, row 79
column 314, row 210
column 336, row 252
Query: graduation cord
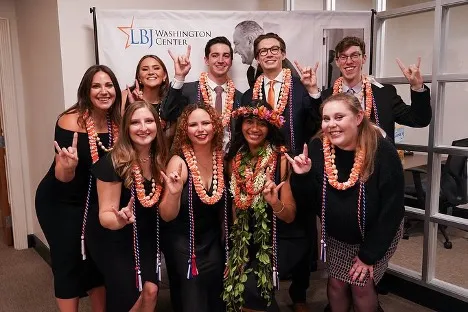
column 291, row 123
column 136, row 248
column 192, row 270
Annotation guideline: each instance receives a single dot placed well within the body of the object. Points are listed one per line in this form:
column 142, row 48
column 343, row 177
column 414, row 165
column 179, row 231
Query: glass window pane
column 416, row 182
column 358, row 5
column 408, row 37
column 408, row 135
column 453, row 195
column 308, row 5
column 394, row 4
column 456, row 41
column 409, row 253
column 452, row 264
column 454, row 112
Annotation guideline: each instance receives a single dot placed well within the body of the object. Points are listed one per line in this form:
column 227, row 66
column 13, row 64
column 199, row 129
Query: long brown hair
column 368, row 132
column 181, row 136
column 124, row 155
column 164, row 88
column 84, row 103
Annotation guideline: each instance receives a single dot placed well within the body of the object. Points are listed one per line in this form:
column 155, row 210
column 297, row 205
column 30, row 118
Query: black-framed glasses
column 274, row 51
column 354, row 57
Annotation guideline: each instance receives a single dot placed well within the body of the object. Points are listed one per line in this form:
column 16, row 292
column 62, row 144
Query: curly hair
column 181, row 136
column 238, row 141
column 124, row 154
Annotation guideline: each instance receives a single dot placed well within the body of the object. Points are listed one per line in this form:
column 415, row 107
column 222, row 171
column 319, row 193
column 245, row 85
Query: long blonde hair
column 368, row 132
column 124, row 155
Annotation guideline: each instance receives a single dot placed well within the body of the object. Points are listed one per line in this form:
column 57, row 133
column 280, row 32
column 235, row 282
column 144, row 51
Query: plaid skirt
column 340, row 258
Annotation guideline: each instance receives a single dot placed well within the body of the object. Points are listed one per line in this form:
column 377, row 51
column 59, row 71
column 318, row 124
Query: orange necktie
column 271, row 94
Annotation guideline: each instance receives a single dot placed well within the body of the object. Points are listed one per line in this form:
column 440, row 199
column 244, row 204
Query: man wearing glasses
column 292, row 97
column 382, row 102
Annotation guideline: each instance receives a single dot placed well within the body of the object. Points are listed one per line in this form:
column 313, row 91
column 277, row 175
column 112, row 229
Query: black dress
column 201, row 293
column 114, row 249
column 384, row 209
column 60, row 208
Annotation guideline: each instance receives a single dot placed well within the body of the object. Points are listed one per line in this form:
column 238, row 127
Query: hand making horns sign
column 182, row 64
column 174, row 183
column 412, row 73
column 68, row 157
column 301, row 163
column 308, row 77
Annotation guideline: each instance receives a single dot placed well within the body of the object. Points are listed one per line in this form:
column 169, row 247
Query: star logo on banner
column 125, row 30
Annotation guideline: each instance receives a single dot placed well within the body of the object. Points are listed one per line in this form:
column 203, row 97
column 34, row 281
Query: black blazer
column 305, row 116
column 391, row 108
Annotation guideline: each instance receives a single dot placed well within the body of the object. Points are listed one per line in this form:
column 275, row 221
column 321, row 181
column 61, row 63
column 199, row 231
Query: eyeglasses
column 274, row 50
column 354, row 57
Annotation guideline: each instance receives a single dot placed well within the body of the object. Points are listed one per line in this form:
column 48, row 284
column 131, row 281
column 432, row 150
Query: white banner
column 125, row 36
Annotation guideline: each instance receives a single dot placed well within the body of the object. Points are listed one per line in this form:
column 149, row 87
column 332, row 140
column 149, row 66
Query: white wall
column 42, row 75
column 76, row 28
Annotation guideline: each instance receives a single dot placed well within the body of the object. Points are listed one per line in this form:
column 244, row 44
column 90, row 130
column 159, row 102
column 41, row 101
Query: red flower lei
column 206, row 94
column 332, row 171
column 246, row 188
column 218, row 178
column 145, row 200
column 366, row 87
column 284, row 92
column 93, row 137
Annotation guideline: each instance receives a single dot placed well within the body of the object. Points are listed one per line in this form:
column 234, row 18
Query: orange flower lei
column 218, row 178
column 332, row 171
column 257, row 93
column 206, row 94
column 366, row 87
column 94, row 140
column 153, row 197
column 246, row 189
column 271, row 116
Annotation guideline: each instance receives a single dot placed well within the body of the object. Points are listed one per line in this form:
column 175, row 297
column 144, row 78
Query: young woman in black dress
column 193, row 204
column 129, row 187
column 83, row 134
column 261, row 194
column 355, row 177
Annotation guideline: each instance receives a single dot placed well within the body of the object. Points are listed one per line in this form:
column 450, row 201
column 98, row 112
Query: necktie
column 351, row 91
column 271, row 94
column 219, row 100
column 251, row 76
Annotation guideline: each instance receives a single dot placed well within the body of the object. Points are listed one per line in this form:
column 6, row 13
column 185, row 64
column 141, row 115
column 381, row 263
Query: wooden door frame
column 14, row 152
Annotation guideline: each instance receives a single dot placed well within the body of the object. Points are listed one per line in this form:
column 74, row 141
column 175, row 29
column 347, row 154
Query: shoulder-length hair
column 368, row 132
column 181, row 136
column 84, row 103
column 164, row 88
column 124, row 154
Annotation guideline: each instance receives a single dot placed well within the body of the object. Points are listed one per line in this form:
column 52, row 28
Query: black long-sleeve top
column 384, row 198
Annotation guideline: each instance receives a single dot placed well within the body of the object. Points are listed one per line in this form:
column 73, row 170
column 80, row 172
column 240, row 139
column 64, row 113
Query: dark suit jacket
column 189, row 95
column 286, row 64
column 391, row 108
column 305, row 120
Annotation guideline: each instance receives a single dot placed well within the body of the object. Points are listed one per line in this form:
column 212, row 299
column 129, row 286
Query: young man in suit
column 214, row 87
column 290, row 96
column 389, row 107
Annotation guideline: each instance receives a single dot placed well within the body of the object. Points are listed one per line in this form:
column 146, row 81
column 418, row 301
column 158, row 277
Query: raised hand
column 359, row 270
column 301, row 164
column 125, row 215
column 136, row 94
column 130, row 97
column 412, row 73
column 182, row 64
column 308, row 77
column 174, row 183
column 68, row 157
column 271, row 190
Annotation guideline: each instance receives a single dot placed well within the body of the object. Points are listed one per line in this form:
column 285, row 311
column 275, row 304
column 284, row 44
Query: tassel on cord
column 83, row 250
column 323, row 251
column 139, row 283
column 194, row 266
column 158, row 268
column 189, row 271
column 275, row 275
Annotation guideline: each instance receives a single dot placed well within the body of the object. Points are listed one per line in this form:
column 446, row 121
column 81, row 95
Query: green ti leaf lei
column 240, row 237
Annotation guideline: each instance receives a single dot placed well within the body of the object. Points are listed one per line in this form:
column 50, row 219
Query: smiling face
column 199, row 127
column 142, row 128
column 350, row 63
column 151, row 73
column 219, row 60
column 340, row 124
column 102, row 92
column 269, row 56
column 255, row 132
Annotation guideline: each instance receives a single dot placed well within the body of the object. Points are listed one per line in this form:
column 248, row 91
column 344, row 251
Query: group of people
column 227, row 186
